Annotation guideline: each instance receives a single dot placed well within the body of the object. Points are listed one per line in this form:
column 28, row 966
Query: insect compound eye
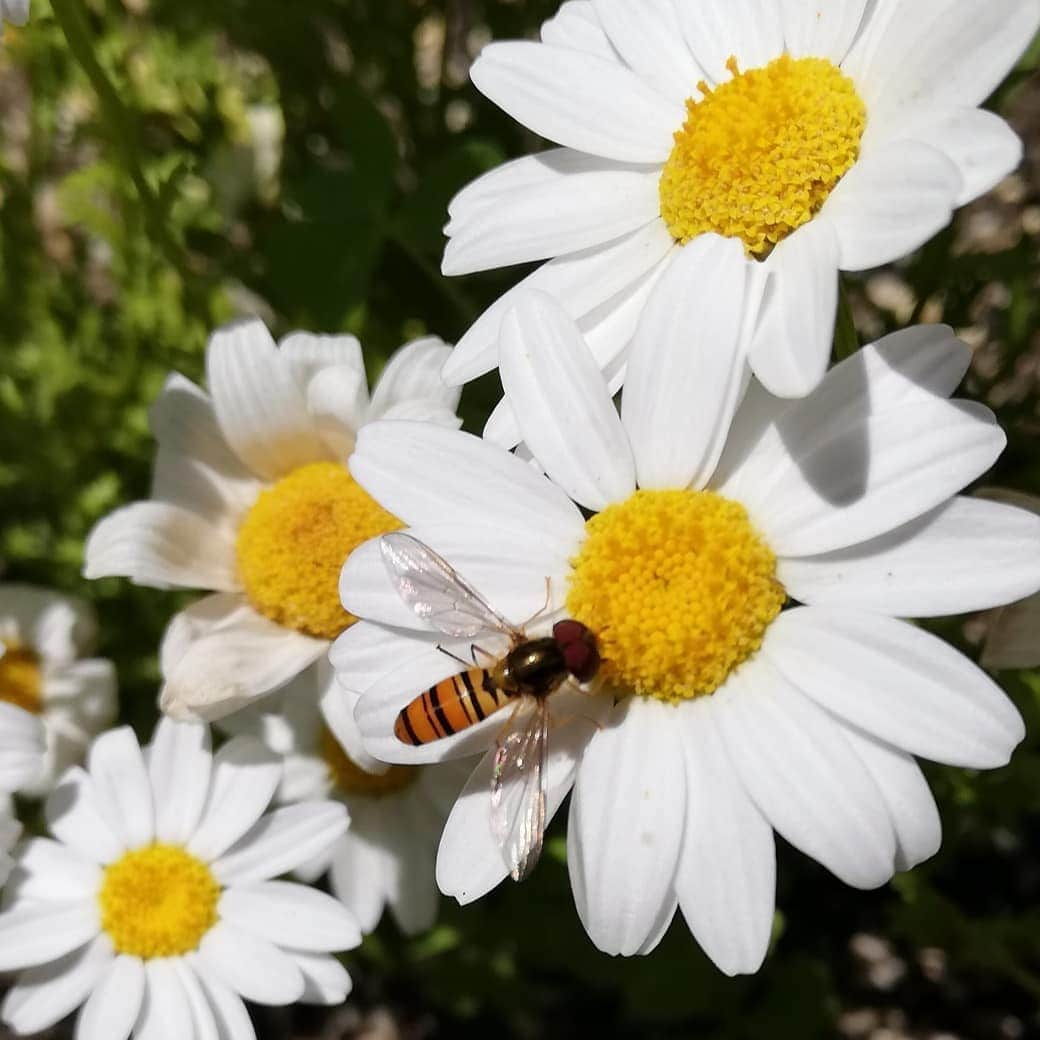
column 579, row 649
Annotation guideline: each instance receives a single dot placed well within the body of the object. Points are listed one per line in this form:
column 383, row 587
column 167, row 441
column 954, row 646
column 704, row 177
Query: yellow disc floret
column 21, row 680
column 759, row 154
column 294, row 541
column 679, row 589
column 350, row 778
column 158, row 901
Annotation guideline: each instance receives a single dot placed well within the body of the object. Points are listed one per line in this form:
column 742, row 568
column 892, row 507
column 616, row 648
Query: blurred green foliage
column 168, row 164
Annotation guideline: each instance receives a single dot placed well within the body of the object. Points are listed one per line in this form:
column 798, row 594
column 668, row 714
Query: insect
column 524, row 677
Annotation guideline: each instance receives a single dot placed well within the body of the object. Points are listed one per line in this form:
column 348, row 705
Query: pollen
column 759, row 155
column 21, row 678
column 294, row 541
column 158, row 901
column 349, row 778
column 679, row 589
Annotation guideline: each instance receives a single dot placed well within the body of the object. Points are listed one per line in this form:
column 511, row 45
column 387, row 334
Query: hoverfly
column 524, row 677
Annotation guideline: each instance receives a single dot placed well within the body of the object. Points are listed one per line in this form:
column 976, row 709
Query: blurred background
column 166, row 165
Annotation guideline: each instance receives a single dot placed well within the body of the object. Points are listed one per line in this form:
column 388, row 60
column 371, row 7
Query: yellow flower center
column 350, row 778
column 21, row 680
column 294, row 541
column 679, row 589
column 759, row 154
column 158, row 901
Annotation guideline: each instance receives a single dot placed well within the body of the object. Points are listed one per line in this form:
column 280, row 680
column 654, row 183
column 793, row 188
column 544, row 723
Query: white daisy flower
column 252, row 500
column 731, row 716
column 386, row 858
column 823, row 137
column 14, row 11
column 152, row 904
column 44, row 637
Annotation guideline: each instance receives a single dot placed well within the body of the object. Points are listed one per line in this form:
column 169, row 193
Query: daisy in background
column 44, row 671
column 397, row 813
column 822, row 137
column 252, row 499
column 152, row 904
column 14, row 11
column 724, row 715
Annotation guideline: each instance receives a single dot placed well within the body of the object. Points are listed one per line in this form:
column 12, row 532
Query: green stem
column 846, row 339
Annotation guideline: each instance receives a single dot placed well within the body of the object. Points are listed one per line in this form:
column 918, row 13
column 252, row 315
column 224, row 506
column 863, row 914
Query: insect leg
column 474, row 650
column 454, row 657
column 544, row 607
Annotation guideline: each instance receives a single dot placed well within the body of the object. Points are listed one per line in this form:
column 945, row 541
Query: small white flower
column 726, row 716
column 44, row 636
column 152, row 906
column 397, row 813
column 14, row 11
column 10, row 832
column 252, row 499
column 824, row 137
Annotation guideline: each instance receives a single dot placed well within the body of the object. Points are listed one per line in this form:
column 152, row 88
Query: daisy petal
column 357, row 877
column 260, row 407
column 626, row 825
column 179, row 763
column 716, row 30
column 425, row 474
column 579, row 100
column 966, row 555
column 792, row 344
column 686, row 369
column 897, row 682
column 254, row 968
column 124, row 792
column 325, row 980
column 280, row 841
column 547, row 205
column 795, row 763
column 50, row 871
column 911, row 806
column 308, row 353
column 161, row 545
column 165, row 1014
column 891, row 202
column 74, row 817
column 412, row 375
column 575, row 25
column 41, row 932
column 229, row 1012
column 115, row 1002
column 566, row 414
column 823, row 30
column 228, row 668
column 204, row 1024
column 289, row 914
column 726, row 880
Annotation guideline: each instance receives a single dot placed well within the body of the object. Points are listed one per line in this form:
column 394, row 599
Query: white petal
column 362, row 654
column 547, row 205
column 74, row 817
column 291, row 915
column 260, row 407
column 582, row 282
column 413, row 374
column 244, row 778
column 44, row 995
column 112, row 1008
column 793, row 340
column 337, row 399
column 165, row 1013
column 179, row 764
column 749, row 30
column 337, row 711
column 252, row 967
column 911, row 806
column 161, row 545
column 325, row 980
column 195, row 621
column 821, row 30
column 229, row 1012
column 795, row 763
column 186, row 483
column 204, row 1024
column 726, row 880
column 426, row 475
column 116, row 766
column 648, row 36
column 891, row 202
column 685, row 372
column 15, row 11
column 966, row 555
column 308, row 354
column 358, row 877
column 413, row 898
column 936, row 53
column 579, row 100
column 50, row 871
column 34, row 934
column 231, row 666
column 575, row 25
column 22, row 748
column 566, row 414
column 280, row 841
column 897, row 682
column 625, row 830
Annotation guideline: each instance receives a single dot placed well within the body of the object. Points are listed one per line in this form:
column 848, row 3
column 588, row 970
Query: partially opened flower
column 743, row 569
column 822, row 137
column 397, row 813
column 252, row 499
column 45, row 638
column 152, row 904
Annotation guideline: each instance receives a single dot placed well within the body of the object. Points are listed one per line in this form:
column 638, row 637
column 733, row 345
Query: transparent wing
column 518, row 791
column 436, row 591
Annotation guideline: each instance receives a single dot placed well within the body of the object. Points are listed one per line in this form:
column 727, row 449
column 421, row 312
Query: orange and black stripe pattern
column 450, row 706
